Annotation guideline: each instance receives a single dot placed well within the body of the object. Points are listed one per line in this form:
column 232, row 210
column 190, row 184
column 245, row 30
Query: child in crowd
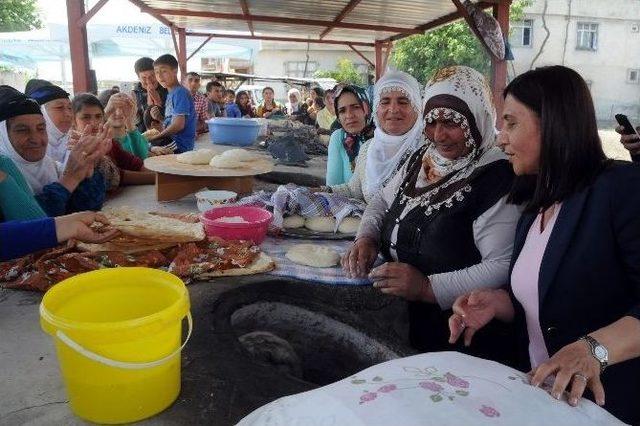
column 230, row 107
column 200, row 101
column 126, row 132
column 180, row 115
column 119, row 166
column 244, row 105
column 147, row 91
column 215, row 96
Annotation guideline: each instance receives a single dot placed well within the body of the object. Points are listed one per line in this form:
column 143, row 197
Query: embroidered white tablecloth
column 438, row 388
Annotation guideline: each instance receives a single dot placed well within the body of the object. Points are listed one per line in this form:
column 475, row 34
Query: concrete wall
column 272, row 57
column 606, row 68
column 13, row 79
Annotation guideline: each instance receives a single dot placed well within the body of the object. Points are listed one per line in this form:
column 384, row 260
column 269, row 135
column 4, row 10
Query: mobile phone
column 623, row 120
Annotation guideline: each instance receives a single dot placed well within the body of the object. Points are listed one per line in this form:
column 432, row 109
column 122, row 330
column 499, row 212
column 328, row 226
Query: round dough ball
column 321, row 223
column 349, row 225
column 221, row 162
column 313, row 255
column 200, row 156
column 238, row 154
column 293, row 221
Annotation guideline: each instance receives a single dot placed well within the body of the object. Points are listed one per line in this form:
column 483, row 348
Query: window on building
column 521, row 33
column 587, row 37
column 633, row 76
column 296, row 68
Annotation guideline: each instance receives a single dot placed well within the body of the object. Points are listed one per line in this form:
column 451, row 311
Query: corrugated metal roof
column 368, row 21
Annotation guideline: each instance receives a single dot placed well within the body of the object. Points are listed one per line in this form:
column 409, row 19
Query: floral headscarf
column 353, row 141
column 460, row 94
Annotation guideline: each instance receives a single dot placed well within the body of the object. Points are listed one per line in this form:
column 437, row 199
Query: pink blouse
column 524, row 283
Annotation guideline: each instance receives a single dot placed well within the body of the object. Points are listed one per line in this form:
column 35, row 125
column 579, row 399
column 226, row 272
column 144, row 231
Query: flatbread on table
column 154, row 227
column 125, row 244
column 314, row 255
column 263, row 263
column 216, row 257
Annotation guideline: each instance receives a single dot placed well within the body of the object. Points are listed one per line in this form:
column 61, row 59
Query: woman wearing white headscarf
column 293, row 101
column 398, row 133
column 442, row 222
column 56, row 110
column 23, row 141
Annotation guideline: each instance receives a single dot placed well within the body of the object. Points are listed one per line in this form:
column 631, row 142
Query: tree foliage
column 454, row 44
column 345, row 72
column 19, row 15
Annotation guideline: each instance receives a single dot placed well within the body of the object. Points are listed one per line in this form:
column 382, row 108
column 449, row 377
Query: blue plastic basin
column 233, row 131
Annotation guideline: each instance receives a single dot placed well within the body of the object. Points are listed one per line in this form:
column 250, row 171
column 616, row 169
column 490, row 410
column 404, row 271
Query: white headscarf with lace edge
column 471, row 87
column 385, row 150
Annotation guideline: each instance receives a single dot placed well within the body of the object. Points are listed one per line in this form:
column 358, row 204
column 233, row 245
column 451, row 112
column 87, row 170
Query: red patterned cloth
column 201, row 106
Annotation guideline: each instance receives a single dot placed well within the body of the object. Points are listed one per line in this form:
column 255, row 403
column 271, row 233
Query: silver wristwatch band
column 593, row 344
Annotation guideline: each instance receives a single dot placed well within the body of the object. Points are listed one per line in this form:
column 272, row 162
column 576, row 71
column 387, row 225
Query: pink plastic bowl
column 256, row 230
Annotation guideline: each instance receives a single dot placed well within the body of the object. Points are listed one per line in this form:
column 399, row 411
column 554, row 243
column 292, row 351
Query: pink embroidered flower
column 432, row 386
column 387, row 388
column 369, row 396
column 456, row 381
column 489, row 411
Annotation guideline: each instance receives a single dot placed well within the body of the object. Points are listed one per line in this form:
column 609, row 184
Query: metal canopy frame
column 78, row 19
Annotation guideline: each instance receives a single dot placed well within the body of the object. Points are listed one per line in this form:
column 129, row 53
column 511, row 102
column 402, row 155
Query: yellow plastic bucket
column 117, row 334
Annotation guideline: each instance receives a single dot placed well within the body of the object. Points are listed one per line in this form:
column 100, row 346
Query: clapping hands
column 85, row 149
column 128, row 107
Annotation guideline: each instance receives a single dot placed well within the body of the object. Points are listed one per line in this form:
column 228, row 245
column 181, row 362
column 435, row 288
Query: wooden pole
column 379, row 70
column 182, row 53
column 499, row 67
column 78, row 47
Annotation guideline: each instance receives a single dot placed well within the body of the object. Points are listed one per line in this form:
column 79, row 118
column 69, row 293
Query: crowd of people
column 520, row 246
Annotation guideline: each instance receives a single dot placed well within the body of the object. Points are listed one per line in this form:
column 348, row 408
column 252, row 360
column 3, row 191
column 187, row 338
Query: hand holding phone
column 629, row 141
column 623, row 120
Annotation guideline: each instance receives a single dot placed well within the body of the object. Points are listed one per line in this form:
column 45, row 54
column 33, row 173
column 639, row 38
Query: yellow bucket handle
column 121, row 364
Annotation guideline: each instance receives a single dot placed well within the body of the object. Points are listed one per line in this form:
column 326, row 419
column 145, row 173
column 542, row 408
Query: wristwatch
column 598, row 351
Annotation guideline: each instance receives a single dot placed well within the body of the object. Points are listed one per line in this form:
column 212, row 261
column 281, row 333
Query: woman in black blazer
column 574, row 296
